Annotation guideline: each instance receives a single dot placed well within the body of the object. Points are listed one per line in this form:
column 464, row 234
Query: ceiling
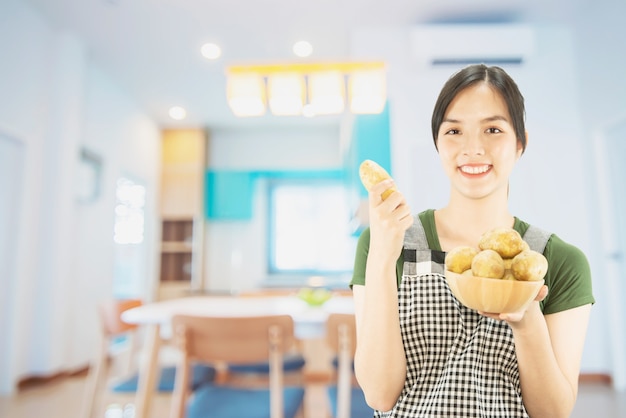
column 151, row 48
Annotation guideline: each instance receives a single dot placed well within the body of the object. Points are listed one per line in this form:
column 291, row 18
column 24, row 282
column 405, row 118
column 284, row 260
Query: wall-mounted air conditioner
column 454, row 44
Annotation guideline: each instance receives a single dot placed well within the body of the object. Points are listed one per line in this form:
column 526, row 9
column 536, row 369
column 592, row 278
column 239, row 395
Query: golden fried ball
column 488, row 263
column 371, row 173
column 507, row 263
column 460, row 258
column 529, row 265
column 505, row 241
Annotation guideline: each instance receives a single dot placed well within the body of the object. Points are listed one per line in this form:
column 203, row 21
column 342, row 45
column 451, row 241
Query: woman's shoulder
column 555, row 246
column 563, row 252
column 568, row 276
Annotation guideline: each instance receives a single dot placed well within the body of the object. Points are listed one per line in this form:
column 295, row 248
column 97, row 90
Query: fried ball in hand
column 460, row 258
column 505, row 241
column 529, row 265
column 371, row 173
column 488, row 263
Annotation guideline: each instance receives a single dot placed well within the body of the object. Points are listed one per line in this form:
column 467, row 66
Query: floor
column 61, row 399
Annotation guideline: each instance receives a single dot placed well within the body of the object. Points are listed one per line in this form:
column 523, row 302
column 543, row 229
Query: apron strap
column 418, row 258
column 537, row 238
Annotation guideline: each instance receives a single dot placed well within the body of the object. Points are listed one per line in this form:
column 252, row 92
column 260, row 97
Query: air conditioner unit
column 454, row 44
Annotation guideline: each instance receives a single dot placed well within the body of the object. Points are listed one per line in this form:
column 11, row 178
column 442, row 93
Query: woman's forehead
column 478, row 102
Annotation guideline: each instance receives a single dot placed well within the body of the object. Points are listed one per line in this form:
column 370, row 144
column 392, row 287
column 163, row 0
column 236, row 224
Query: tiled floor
column 62, row 399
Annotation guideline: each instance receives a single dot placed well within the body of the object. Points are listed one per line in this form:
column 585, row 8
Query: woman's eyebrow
column 488, row 119
column 495, row 118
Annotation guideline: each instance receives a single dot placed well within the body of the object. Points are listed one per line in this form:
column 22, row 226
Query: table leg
column 147, row 371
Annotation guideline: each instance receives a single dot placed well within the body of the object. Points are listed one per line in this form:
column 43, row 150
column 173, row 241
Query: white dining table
column 309, row 323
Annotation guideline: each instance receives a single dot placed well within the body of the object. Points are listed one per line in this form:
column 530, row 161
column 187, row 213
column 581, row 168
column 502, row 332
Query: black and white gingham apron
column 459, row 363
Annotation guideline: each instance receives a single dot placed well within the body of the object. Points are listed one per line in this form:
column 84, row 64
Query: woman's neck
column 464, row 220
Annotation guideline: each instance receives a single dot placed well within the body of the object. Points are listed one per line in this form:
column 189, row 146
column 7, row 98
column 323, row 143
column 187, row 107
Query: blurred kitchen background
column 104, row 194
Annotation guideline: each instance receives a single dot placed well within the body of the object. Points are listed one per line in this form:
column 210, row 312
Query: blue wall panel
column 229, row 195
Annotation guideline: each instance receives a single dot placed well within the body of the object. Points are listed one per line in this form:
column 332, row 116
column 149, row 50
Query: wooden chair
column 346, row 397
column 237, row 340
column 111, row 326
column 293, row 362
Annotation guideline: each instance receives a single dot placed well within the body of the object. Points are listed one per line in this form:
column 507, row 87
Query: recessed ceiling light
column 177, row 113
column 302, row 49
column 211, row 51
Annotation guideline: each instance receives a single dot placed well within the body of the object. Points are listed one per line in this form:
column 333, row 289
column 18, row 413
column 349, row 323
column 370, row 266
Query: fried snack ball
column 460, row 258
column 505, row 241
column 371, row 174
column 488, row 263
column 529, row 265
column 507, row 263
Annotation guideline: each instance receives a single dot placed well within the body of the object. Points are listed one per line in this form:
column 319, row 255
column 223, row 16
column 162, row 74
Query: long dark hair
column 498, row 79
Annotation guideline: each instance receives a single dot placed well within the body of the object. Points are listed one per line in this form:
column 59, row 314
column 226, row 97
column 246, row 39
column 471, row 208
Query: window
column 310, row 227
column 129, row 212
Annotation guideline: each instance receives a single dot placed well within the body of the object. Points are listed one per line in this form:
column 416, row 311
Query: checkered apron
column 459, row 363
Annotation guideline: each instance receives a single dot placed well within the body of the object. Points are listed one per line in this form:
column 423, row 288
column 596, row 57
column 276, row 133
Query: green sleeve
column 360, row 260
column 568, row 277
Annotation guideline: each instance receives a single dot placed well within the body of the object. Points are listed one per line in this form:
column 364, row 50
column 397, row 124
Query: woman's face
column 477, row 143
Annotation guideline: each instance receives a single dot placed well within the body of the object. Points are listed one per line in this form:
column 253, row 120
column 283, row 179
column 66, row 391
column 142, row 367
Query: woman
column 420, row 353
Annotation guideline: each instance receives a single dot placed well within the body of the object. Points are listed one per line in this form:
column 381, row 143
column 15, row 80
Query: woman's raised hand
column 389, row 218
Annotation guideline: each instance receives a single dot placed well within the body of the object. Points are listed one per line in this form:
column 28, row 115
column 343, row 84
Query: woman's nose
column 473, row 145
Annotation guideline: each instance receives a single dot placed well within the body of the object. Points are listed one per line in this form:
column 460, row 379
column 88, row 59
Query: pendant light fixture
column 307, row 88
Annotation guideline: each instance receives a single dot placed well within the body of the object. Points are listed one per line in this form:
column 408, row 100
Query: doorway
column 12, row 156
column 610, row 154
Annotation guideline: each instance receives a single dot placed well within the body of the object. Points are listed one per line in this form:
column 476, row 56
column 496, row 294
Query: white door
column 11, row 183
column 611, row 155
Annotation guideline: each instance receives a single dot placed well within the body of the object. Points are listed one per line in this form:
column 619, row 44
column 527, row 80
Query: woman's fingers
column 517, row 316
column 378, row 190
column 543, row 292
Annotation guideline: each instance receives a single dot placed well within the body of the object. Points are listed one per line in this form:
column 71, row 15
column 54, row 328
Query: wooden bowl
column 492, row 295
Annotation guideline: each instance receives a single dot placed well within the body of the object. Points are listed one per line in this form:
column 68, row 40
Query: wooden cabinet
column 177, row 250
column 184, row 156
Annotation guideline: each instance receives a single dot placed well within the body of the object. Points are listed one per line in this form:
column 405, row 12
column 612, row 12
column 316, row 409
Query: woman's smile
column 472, row 170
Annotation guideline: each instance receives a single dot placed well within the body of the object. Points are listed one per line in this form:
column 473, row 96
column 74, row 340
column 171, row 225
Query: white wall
column 600, row 66
column 54, row 101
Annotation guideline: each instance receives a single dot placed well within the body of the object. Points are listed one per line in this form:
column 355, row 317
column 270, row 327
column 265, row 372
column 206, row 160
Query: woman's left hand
column 514, row 317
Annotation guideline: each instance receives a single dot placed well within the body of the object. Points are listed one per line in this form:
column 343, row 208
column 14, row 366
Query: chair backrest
column 233, row 340
column 341, row 332
column 341, row 338
column 111, row 325
column 110, row 312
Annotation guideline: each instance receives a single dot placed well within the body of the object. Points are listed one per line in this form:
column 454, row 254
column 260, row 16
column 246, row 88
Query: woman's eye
column 494, row 130
column 452, row 132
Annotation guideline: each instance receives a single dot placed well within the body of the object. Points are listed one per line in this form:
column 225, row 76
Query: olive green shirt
column 568, row 277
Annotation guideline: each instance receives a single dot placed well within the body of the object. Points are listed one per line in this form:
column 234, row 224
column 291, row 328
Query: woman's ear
column 521, row 147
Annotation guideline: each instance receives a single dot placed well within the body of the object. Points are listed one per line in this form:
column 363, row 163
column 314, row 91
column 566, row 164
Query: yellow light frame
column 308, row 71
